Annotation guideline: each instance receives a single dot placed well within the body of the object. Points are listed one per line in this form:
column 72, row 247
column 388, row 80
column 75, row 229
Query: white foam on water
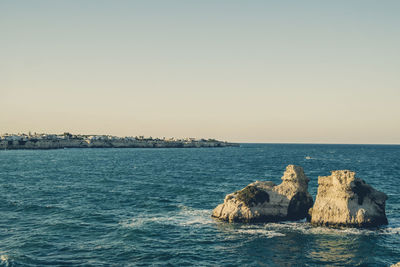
column 353, row 231
column 306, row 228
column 390, row 231
column 237, row 231
column 185, row 216
column 337, row 231
column 137, row 222
column 188, row 216
column 288, row 226
column 260, row 232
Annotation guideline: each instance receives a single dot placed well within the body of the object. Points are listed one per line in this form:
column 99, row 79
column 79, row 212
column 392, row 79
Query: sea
column 152, row 207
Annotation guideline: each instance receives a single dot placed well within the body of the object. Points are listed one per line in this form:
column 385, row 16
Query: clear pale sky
column 246, row 71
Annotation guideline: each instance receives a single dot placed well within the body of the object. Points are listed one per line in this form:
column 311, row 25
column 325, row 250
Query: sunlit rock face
column 267, row 202
column 344, row 200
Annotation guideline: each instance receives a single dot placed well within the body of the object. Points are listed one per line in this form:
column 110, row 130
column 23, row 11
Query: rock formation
column 395, row 265
column 266, row 202
column 343, row 200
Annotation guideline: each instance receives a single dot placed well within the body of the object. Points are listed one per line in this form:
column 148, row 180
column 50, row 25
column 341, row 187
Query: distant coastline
column 68, row 140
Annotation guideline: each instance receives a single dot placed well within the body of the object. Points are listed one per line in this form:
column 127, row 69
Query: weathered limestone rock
column 343, row 200
column 395, row 265
column 267, row 202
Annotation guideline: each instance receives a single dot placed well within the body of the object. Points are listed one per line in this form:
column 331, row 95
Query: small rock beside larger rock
column 344, row 200
column 267, row 202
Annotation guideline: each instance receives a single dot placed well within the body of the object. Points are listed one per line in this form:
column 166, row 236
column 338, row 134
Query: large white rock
column 266, row 202
column 344, row 200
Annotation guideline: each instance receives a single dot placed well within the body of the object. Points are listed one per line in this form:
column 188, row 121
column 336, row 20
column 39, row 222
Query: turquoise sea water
column 139, row 207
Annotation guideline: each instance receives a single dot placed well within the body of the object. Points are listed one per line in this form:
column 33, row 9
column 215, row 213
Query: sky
column 242, row 71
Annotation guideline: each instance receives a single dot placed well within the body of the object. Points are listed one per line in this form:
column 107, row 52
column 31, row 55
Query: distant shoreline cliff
column 67, row 140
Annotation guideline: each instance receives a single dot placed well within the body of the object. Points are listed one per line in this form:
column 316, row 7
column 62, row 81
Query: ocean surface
column 140, row 207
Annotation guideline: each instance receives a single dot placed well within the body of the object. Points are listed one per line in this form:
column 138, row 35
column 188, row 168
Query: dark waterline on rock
column 140, row 207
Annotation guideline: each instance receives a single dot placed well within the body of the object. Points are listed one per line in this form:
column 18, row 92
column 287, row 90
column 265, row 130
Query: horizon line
column 318, row 143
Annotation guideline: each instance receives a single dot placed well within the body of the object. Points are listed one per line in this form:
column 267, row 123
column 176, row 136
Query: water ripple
column 140, row 207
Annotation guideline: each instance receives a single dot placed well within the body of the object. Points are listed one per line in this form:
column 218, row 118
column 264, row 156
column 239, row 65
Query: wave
column 390, row 231
column 307, row 228
column 260, row 232
column 185, row 216
column 189, row 217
